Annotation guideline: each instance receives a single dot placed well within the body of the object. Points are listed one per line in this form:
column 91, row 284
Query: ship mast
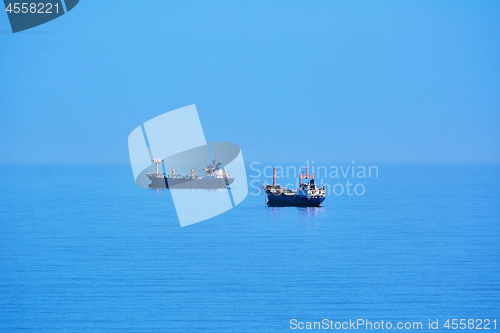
column 157, row 165
column 305, row 175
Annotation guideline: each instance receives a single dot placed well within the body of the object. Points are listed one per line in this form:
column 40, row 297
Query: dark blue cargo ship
column 307, row 195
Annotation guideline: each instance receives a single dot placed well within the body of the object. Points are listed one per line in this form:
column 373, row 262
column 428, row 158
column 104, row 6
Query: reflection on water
column 195, row 205
column 310, row 211
column 292, row 214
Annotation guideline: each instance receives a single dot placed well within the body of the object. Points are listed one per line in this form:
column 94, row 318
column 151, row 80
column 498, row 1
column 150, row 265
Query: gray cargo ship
column 214, row 177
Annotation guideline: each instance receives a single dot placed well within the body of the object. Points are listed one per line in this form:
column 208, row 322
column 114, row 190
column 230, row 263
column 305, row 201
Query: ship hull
column 293, row 201
column 173, row 183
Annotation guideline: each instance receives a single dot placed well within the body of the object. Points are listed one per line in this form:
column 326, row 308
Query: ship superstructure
column 308, row 194
column 214, row 176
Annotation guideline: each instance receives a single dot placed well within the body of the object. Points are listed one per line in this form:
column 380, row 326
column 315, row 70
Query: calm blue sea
column 83, row 249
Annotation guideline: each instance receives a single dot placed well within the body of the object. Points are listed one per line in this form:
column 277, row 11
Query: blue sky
column 375, row 81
